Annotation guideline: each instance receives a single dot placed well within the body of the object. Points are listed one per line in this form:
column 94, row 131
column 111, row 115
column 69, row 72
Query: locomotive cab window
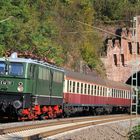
column 16, row 69
column 2, row 67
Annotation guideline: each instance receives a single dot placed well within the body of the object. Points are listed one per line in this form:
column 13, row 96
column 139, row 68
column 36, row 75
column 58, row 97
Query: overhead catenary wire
column 103, row 30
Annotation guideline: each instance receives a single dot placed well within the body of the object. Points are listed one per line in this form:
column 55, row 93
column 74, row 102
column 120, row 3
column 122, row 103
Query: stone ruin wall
column 121, row 55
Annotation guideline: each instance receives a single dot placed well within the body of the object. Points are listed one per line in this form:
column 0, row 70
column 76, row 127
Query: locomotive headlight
column 20, row 87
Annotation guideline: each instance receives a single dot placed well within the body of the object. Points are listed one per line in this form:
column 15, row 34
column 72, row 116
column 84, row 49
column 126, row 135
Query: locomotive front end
column 13, row 83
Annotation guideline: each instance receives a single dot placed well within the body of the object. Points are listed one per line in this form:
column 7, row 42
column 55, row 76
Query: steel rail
column 41, row 135
column 52, row 123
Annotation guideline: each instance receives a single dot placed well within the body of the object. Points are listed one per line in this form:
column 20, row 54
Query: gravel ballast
column 107, row 131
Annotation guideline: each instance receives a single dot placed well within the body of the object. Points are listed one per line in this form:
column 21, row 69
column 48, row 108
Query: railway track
column 39, row 130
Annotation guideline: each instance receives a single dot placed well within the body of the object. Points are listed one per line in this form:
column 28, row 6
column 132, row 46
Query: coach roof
column 95, row 79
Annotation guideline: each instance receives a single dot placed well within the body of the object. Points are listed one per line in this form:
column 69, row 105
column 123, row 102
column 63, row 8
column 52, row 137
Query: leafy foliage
column 135, row 133
column 51, row 28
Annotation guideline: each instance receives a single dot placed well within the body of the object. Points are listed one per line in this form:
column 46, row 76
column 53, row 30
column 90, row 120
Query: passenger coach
column 92, row 93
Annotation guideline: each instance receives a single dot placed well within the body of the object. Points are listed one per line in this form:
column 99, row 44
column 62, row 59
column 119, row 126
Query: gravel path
column 108, row 131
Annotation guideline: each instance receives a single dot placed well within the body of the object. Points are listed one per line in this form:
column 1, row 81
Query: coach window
column 114, row 94
column 127, row 94
column 81, row 88
column 92, row 89
column 103, row 91
column 85, row 91
column 123, row 94
column 73, row 87
column 88, row 89
column 95, row 90
column 77, row 87
column 70, row 86
column 118, row 94
column 98, row 90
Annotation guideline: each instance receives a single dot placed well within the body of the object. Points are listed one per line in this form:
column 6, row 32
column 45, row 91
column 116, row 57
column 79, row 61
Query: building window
column 130, row 47
column 122, row 59
column 138, row 48
column 115, row 59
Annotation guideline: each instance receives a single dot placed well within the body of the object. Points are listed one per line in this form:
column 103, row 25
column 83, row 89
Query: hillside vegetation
column 51, row 28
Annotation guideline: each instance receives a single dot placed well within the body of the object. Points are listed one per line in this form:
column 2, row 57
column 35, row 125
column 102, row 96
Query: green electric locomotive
column 30, row 89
